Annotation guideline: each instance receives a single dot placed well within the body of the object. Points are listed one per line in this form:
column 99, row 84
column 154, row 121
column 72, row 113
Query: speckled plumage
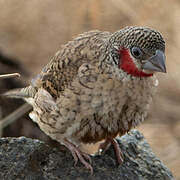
column 84, row 96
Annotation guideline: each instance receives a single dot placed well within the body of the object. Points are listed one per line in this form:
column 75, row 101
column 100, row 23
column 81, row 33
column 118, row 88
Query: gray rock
column 29, row 159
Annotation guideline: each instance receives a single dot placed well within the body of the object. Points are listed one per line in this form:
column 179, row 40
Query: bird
column 97, row 86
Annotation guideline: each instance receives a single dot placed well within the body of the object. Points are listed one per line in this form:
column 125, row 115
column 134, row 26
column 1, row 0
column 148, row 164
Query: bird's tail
column 26, row 92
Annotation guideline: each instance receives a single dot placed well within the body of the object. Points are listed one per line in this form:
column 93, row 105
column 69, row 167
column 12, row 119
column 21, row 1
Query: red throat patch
column 127, row 64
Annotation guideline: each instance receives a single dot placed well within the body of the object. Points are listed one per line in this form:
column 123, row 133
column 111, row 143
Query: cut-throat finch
column 97, row 86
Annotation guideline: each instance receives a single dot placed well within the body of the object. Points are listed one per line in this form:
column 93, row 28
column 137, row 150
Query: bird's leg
column 78, row 155
column 106, row 144
column 118, row 151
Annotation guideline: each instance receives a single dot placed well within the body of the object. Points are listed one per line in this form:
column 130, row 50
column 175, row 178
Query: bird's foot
column 79, row 155
column 106, row 144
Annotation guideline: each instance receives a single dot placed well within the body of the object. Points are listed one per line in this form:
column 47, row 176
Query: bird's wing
column 87, row 75
column 64, row 66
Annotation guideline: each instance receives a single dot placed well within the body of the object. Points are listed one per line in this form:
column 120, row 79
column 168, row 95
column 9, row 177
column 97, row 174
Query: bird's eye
column 136, row 52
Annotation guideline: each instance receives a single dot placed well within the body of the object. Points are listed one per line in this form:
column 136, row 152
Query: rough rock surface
column 24, row 158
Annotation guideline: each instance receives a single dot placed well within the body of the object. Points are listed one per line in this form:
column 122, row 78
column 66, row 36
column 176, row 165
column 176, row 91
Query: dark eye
column 136, row 52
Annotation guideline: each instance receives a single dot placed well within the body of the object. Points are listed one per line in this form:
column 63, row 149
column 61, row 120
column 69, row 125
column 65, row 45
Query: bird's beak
column 156, row 62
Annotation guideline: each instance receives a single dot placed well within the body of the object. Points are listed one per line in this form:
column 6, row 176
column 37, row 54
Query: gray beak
column 156, row 62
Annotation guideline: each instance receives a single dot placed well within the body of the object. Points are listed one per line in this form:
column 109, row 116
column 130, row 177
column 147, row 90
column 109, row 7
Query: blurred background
column 32, row 31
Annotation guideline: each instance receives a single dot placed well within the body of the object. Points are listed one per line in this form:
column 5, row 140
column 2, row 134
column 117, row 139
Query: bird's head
column 138, row 51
